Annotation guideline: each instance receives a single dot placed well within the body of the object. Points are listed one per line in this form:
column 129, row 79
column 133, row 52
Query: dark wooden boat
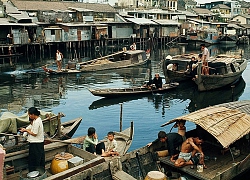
column 14, row 162
column 224, row 71
column 63, row 71
column 117, row 92
column 225, row 129
column 180, row 74
column 228, row 39
column 53, row 128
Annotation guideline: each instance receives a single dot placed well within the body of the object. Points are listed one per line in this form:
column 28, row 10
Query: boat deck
column 223, row 167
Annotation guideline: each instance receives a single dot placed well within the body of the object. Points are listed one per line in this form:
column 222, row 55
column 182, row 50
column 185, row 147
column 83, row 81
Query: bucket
column 42, row 175
column 155, row 175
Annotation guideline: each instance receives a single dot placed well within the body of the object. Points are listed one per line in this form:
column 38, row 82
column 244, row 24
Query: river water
column 69, row 94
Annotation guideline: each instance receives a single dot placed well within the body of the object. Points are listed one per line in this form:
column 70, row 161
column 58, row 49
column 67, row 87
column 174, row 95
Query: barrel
column 155, row 175
column 60, row 162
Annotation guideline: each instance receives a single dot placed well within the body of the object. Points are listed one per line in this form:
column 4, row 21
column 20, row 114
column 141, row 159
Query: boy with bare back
column 188, row 150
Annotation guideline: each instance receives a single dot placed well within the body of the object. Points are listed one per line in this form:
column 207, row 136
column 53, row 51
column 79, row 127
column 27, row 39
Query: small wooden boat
column 180, row 74
column 63, row 71
column 224, row 71
column 61, row 161
column 225, row 129
column 124, row 139
column 228, row 39
column 53, row 128
column 13, row 161
column 117, row 92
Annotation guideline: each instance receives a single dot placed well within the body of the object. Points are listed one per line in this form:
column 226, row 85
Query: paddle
column 62, row 141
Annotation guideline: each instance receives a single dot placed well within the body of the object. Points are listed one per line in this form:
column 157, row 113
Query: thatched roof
column 227, row 122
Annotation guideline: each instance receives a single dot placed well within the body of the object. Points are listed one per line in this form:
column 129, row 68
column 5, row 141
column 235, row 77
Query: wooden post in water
column 121, row 118
column 132, row 130
column 59, row 125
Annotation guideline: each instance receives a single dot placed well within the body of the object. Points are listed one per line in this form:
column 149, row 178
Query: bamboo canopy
column 227, row 122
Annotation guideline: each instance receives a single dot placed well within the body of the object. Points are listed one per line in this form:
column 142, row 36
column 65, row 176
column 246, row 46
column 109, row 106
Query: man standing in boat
column 205, row 57
column 59, row 57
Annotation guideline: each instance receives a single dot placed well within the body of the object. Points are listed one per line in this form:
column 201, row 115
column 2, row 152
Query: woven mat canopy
column 227, row 122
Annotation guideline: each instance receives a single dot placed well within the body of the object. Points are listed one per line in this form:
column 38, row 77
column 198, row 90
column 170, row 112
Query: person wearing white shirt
column 35, row 138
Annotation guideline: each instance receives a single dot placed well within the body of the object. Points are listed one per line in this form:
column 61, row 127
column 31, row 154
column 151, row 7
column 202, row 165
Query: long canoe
column 118, row 92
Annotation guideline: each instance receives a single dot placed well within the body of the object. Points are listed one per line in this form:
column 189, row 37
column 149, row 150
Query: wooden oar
column 9, row 134
column 62, row 141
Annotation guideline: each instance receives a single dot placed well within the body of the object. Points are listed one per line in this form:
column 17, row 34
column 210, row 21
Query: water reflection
column 185, row 91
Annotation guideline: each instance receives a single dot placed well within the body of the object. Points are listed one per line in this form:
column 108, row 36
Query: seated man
column 189, row 148
column 157, row 81
column 170, row 142
column 91, row 143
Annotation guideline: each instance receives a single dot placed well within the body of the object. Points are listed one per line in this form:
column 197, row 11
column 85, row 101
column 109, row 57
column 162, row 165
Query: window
column 53, row 32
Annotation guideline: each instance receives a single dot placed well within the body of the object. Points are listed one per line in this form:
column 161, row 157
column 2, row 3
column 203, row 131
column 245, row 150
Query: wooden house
column 168, row 28
column 143, row 28
column 76, row 31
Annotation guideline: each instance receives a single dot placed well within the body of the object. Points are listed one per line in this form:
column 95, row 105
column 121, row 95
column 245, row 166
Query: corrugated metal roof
column 60, row 5
column 227, row 122
column 81, row 9
column 167, row 22
column 141, row 21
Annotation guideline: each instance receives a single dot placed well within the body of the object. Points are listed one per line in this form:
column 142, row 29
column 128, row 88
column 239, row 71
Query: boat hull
column 210, row 82
column 118, row 92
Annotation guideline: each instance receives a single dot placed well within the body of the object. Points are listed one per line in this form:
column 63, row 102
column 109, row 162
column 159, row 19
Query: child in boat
column 181, row 128
column 91, row 144
column 111, row 149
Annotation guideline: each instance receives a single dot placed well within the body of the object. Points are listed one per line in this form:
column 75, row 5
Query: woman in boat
column 91, row 144
column 35, row 133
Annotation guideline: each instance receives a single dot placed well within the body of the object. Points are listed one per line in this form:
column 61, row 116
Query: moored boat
column 224, row 70
column 121, row 59
column 228, row 39
column 53, row 129
column 225, row 129
column 82, row 159
column 179, row 74
column 117, row 92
